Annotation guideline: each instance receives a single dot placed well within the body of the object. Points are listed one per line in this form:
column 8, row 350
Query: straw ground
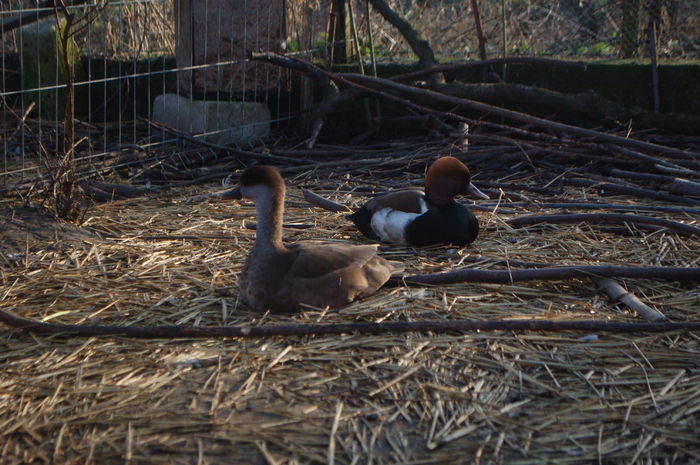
column 520, row 398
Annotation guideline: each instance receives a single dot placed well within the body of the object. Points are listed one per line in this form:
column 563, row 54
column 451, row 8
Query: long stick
column 443, row 326
column 604, row 218
column 555, row 274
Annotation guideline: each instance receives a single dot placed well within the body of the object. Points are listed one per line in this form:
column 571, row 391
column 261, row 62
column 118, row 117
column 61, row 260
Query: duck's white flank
column 390, row 225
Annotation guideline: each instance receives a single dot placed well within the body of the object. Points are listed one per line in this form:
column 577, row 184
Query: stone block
column 219, row 122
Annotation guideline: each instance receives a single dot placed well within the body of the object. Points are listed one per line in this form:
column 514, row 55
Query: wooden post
column 223, row 35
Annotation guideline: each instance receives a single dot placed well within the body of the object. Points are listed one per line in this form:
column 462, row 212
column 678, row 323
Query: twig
column 205, row 237
column 617, row 293
column 179, row 237
column 616, row 218
column 443, row 326
column 321, row 202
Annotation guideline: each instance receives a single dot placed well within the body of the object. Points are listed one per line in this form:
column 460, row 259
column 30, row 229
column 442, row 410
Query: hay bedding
column 525, row 398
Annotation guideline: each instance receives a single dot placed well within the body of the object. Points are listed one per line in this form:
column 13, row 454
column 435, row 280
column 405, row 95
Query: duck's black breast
column 363, row 221
column 443, row 224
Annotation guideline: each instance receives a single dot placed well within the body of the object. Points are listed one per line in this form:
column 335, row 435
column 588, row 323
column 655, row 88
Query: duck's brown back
column 313, row 274
column 409, row 200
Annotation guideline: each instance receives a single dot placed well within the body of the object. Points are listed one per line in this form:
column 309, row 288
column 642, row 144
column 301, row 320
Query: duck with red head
column 285, row 278
column 418, row 217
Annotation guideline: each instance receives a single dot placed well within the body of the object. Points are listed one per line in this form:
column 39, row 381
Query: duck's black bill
column 472, row 189
column 233, row 194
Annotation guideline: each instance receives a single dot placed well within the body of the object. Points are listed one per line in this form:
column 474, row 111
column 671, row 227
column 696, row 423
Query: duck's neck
column 270, row 212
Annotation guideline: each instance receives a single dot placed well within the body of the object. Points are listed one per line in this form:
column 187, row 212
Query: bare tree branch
column 420, row 46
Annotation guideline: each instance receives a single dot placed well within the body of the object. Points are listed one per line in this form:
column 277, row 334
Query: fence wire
column 130, row 52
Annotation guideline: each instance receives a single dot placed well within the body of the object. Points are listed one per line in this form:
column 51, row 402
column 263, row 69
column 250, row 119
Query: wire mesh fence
column 124, row 55
column 563, row 28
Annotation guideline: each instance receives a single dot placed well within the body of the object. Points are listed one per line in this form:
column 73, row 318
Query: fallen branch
column 616, row 293
column 106, row 192
column 631, row 190
column 321, row 202
column 554, row 274
column 489, row 62
column 640, row 156
column 598, row 206
column 679, row 170
column 657, row 178
column 428, row 100
column 685, row 187
column 615, row 218
column 432, row 98
column 585, row 105
column 448, row 326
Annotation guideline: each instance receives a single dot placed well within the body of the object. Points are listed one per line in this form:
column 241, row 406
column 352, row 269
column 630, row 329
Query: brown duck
column 286, row 278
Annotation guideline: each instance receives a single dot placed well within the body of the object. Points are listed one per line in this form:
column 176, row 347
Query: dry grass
column 526, row 398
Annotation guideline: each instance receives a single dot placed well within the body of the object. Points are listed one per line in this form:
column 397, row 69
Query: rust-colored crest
column 447, row 178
